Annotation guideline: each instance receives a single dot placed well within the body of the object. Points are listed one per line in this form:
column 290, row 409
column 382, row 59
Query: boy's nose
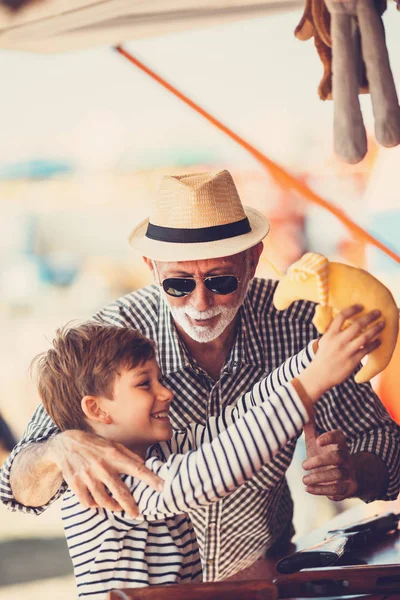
column 164, row 394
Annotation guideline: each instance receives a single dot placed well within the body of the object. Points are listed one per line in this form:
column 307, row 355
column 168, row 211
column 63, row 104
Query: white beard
column 204, row 334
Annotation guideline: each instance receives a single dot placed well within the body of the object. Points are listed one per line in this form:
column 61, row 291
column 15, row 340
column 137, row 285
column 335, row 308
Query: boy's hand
column 333, row 471
column 341, row 350
column 91, row 465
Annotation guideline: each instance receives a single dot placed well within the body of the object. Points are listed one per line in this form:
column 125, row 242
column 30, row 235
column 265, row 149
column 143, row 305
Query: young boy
column 106, row 380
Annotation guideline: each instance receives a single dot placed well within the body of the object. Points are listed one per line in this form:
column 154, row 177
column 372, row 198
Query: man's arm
column 46, row 461
column 34, row 479
column 360, row 456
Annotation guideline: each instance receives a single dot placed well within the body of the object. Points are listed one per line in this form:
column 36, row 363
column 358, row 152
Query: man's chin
column 203, row 335
column 207, row 330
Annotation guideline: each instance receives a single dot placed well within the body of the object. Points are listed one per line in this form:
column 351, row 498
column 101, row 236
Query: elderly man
column 217, row 333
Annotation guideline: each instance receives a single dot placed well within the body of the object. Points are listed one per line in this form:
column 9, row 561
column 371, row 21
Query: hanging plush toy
column 316, row 23
column 350, row 40
column 335, row 286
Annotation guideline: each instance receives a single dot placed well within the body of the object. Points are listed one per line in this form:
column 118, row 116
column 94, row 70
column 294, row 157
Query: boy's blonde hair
column 84, row 361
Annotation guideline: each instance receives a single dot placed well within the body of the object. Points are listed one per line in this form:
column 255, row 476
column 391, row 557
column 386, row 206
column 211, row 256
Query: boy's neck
column 138, row 449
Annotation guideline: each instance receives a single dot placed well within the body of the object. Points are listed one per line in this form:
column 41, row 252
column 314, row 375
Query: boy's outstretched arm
column 218, row 467
column 196, row 434
column 200, row 477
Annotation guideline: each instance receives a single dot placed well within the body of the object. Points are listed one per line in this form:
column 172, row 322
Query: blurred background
column 85, row 137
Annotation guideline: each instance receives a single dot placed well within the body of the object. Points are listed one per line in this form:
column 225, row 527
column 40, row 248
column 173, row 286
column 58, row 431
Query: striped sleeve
column 217, row 468
column 291, row 368
column 40, row 429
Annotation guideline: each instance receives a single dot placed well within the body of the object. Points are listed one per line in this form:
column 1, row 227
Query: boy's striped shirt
column 199, row 466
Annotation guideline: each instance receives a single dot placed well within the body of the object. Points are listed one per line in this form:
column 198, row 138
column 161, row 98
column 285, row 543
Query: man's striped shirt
column 199, row 466
column 233, row 533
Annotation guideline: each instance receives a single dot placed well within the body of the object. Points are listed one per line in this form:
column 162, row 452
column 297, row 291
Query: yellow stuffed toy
column 334, row 286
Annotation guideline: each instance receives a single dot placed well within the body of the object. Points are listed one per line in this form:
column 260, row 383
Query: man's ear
column 150, row 263
column 93, row 410
column 254, row 257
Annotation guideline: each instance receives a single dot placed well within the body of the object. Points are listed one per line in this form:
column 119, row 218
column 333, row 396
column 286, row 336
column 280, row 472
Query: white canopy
column 59, row 25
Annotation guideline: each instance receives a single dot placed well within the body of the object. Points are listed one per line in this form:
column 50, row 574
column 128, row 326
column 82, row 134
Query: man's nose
column 200, row 297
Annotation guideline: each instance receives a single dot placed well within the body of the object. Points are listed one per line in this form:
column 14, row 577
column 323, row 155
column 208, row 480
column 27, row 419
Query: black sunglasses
column 178, row 287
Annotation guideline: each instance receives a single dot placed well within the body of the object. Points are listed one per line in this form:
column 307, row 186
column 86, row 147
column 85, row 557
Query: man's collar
column 247, row 347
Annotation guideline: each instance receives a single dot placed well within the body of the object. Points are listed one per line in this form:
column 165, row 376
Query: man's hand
column 91, row 465
column 332, row 468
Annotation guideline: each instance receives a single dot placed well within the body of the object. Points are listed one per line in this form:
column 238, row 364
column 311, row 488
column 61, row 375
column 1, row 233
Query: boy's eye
column 144, row 384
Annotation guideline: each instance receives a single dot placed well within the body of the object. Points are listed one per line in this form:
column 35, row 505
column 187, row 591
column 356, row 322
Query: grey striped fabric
column 199, row 466
column 239, row 529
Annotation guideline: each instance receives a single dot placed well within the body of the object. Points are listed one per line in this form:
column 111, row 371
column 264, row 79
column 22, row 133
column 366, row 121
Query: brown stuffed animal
column 316, row 22
column 351, row 43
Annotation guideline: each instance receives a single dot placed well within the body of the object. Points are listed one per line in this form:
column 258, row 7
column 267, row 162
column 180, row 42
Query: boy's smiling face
column 137, row 415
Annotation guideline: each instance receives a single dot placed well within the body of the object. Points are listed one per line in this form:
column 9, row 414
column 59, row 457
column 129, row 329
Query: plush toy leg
column 322, row 21
column 350, row 138
column 325, row 54
column 384, row 98
column 305, row 29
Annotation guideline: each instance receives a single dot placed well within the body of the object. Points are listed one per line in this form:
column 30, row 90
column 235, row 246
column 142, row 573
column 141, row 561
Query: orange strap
column 283, row 177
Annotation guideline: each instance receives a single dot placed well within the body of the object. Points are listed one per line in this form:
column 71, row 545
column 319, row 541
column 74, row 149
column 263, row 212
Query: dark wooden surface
column 248, row 585
column 379, row 579
column 239, row 590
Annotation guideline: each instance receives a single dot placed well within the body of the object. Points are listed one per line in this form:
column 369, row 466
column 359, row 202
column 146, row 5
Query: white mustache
column 211, row 312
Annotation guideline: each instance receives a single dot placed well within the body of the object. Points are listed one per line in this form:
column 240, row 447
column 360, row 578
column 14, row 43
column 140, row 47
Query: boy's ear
column 93, row 410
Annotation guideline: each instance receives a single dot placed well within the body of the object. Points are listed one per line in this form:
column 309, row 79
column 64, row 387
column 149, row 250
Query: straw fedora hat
column 196, row 217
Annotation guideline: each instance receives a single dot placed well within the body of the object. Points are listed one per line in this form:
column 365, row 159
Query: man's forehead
column 203, row 266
